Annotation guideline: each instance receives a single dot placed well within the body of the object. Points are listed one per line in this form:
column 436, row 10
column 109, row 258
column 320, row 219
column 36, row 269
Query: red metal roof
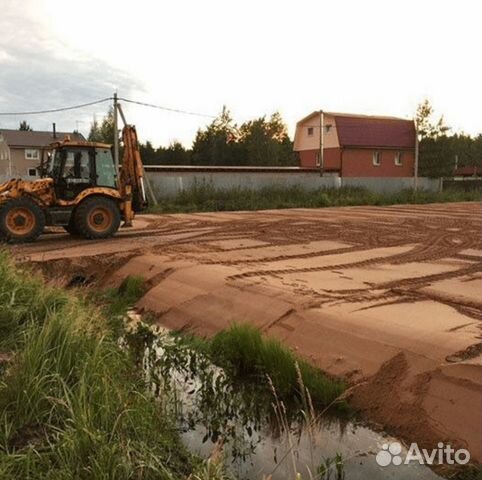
column 360, row 131
column 468, row 171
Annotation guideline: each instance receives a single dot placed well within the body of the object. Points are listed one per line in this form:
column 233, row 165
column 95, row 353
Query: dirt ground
column 387, row 297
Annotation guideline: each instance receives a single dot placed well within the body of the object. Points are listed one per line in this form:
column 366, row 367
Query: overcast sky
column 255, row 56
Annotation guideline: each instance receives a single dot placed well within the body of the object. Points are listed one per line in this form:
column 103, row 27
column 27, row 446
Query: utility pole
column 321, row 142
column 415, row 173
column 116, row 139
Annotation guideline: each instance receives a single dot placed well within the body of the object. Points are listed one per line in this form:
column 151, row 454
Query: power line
column 54, row 110
column 83, row 105
column 160, row 107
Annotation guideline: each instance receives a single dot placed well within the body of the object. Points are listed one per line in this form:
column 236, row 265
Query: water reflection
column 260, row 434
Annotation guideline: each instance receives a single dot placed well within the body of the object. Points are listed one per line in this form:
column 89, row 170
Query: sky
column 256, row 57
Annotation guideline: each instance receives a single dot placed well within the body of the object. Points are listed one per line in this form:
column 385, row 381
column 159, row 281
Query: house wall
column 4, row 160
column 308, row 158
column 359, row 163
column 17, row 166
column 331, row 159
column 303, row 141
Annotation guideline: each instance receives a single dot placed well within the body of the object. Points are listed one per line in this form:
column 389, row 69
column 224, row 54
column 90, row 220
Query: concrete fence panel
column 169, row 181
column 391, row 184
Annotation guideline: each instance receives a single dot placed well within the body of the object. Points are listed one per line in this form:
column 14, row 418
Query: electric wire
column 54, row 110
column 160, row 107
column 169, row 109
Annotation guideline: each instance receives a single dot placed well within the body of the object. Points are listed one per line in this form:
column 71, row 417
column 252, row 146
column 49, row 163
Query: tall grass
column 23, row 302
column 72, row 404
column 243, row 350
column 203, row 197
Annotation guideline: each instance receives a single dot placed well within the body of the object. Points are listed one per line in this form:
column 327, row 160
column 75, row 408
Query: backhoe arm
column 131, row 177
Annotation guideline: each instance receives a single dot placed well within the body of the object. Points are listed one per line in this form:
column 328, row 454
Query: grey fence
column 169, row 181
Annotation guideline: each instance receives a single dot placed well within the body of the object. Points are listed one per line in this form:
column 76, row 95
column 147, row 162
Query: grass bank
column 204, row 197
column 248, row 355
column 72, row 404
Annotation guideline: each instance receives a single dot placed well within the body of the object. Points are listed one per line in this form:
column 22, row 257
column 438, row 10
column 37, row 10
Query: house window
column 317, row 157
column 31, row 154
column 377, row 159
column 310, row 131
column 398, row 159
column 32, row 172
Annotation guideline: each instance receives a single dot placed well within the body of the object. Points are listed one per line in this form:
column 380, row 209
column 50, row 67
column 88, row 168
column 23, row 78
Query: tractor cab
column 76, row 166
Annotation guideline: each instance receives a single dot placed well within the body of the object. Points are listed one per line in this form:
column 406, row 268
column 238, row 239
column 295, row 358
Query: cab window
column 105, row 169
column 77, row 165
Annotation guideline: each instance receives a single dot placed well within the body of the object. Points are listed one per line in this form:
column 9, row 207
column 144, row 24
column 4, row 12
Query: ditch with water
column 260, row 435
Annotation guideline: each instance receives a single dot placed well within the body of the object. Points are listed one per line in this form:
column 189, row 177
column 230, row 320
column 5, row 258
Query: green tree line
column 262, row 141
column 439, row 151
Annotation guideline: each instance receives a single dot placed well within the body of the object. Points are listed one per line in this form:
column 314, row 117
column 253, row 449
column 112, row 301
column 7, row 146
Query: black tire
column 21, row 220
column 97, row 217
column 71, row 228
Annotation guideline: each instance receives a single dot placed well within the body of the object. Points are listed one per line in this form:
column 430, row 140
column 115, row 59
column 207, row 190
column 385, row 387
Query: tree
column 175, row 154
column 255, row 142
column 217, row 144
column 266, row 142
column 105, row 132
column 148, row 154
column 24, row 126
column 427, row 127
column 94, row 132
column 436, row 157
column 476, row 150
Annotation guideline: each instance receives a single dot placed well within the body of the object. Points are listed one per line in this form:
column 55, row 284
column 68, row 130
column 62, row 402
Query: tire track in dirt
column 309, row 314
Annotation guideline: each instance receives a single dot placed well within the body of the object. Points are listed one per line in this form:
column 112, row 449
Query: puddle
column 259, row 435
column 358, row 446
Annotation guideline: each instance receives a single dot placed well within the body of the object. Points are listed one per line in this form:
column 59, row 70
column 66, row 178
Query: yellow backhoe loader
column 79, row 189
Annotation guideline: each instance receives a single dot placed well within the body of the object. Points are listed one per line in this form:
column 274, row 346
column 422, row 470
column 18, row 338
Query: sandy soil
column 387, row 297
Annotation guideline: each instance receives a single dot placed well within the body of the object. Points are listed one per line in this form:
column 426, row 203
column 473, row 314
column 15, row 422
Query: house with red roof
column 356, row 145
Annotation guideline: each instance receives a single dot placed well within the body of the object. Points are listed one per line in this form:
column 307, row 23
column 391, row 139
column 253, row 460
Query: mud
column 386, row 297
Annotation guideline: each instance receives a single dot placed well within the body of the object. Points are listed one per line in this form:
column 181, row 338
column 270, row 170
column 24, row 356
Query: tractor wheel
column 97, row 217
column 21, row 220
column 71, row 228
